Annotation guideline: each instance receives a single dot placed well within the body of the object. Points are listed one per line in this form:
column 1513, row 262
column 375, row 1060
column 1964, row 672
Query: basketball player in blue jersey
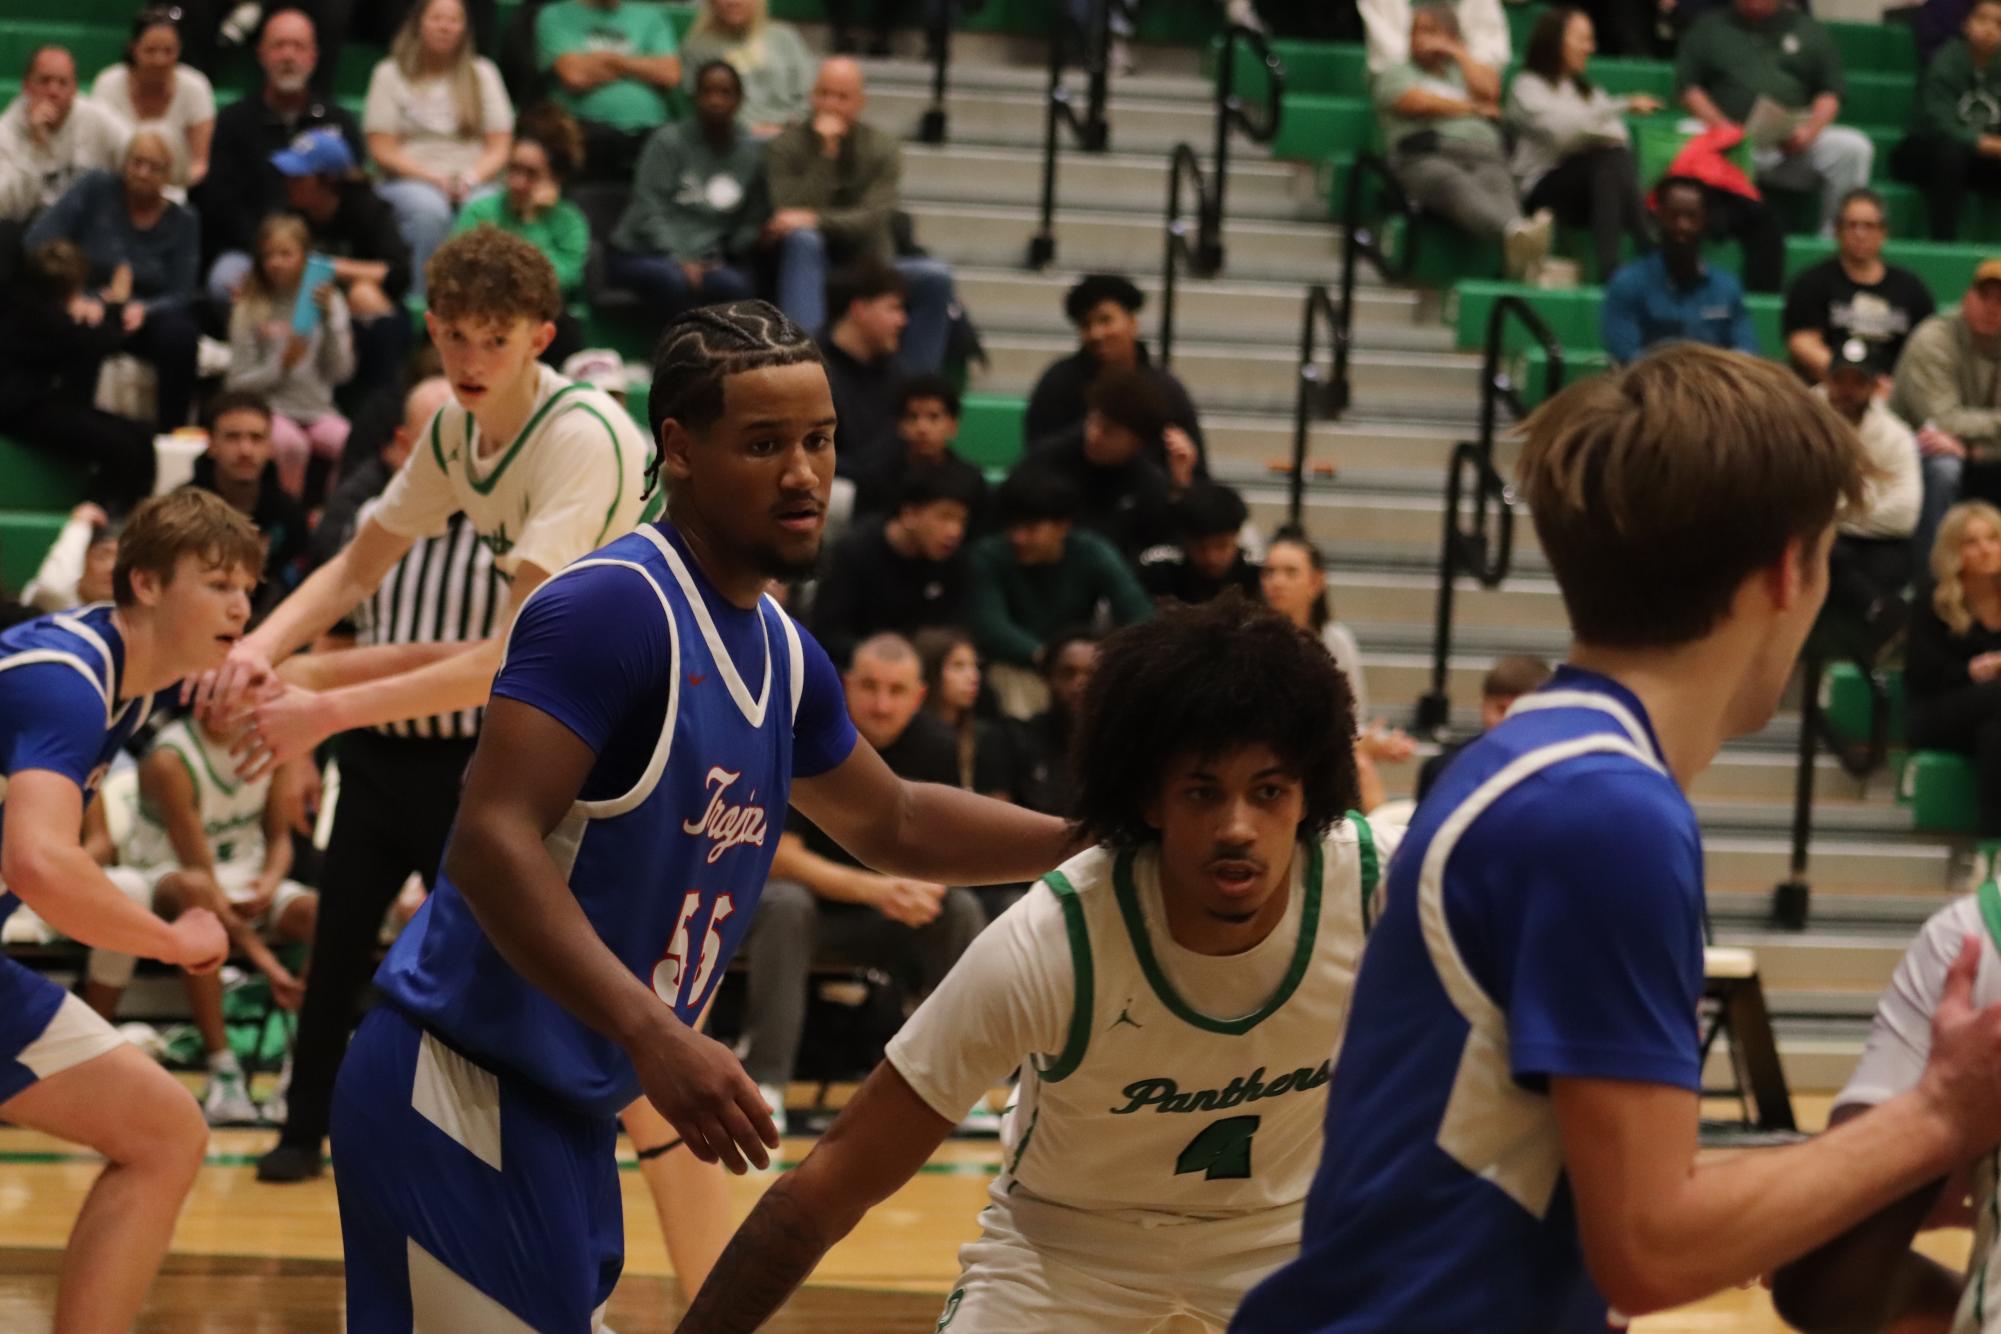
column 1511, row 1125
column 73, row 687
column 655, row 713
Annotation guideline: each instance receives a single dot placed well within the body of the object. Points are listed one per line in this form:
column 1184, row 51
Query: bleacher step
column 963, row 174
column 997, row 236
column 1232, row 308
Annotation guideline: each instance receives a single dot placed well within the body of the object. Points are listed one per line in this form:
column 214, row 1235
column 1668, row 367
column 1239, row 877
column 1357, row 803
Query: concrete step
column 1381, row 528
column 1822, row 959
column 993, row 62
column 1136, row 182
column 1016, row 300
column 1751, row 862
column 1358, row 443
column 1014, row 118
column 997, row 235
column 1378, row 597
column 1247, row 378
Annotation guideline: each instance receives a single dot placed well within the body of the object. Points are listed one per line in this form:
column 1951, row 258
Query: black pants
column 397, row 800
column 1598, row 188
column 1945, row 169
column 118, row 449
column 1968, row 721
column 167, row 342
column 1758, row 229
column 381, row 346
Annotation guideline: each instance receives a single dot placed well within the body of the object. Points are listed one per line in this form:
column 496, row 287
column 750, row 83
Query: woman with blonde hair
column 438, row 123
column 294, row 371
column 769, row 57
column 1952, row 665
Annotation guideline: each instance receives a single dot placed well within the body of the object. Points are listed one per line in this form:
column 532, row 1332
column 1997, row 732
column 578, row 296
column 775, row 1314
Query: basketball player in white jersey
column 1168, row 995
column 1870, row 1278
column 546, row 470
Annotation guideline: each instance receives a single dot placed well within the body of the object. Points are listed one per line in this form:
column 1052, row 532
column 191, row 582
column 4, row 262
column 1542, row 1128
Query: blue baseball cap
column 319, row 152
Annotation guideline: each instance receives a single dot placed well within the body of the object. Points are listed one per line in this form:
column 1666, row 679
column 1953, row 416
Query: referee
column 399, row 788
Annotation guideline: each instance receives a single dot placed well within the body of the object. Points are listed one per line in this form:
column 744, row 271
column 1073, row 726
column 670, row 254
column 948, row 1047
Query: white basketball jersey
column 1980, row 1305
column 231, row 808
column 1155, row 1108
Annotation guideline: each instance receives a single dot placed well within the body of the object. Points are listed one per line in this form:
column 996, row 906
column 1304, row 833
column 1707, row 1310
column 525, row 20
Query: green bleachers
column 1317, row 126
column 1943, row 792
column 33, row 480
column 1888, row 48
column 990, row 430
column 1879, row 100
column 1946, row 267
column 25, row 537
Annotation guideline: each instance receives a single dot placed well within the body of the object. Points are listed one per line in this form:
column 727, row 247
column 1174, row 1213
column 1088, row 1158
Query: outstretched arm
column 928, row 831
column 880, row 1141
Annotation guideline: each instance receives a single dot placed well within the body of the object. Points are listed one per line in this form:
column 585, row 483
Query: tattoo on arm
column 767, row 1260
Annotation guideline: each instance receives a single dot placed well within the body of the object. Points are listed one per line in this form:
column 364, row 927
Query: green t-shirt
column 1788, row 58
column 633, row 28
column 563, row 233
column 1397, row 80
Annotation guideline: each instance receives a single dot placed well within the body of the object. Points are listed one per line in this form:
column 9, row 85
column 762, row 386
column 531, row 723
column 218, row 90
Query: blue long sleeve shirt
column 1644, row 306
column 165, row 258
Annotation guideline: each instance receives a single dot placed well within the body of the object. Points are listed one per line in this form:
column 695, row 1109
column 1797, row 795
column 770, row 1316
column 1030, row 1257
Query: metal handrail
column 1791, row 896
column 1090, row 127
column 1312, row 398
column 1485, row 547
column 936, row 122
column 1362, row 240
column 1203, row 256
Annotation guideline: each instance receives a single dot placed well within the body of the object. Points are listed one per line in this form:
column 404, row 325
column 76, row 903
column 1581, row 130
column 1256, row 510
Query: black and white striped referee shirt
column 444, row 591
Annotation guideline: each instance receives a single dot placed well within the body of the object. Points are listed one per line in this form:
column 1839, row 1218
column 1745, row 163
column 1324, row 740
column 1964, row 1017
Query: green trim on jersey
column 1989, row 895
column 1295, row 973
column 493, row 479
column 1371, row 865
column 1084, row 1001
column 437, row 446
column 194, row 780
column 618, row 458
column 228, row 788
column 1027, row 1138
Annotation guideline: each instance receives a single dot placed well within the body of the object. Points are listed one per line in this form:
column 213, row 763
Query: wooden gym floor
column 257, row 1259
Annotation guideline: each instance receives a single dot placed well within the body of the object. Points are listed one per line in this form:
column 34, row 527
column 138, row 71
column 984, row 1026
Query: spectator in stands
column 1506, row 681
column 1956, row 143
column 548, row 150
column 1387, row 26
column 293, row 347
column 1104, row 308
column 126, row 225
column 1674, row 292
column 820, row 904
column 699, row 203
column 353, row 226
column 152, row 90
column 835, row 182
column 860, row 351
column 77, row 568
column 1854, row 294
column 1039, row 575
column 1108, row 459
column 243, row 186
column 927, row 424
column 364, row 480
column 952, row 696
column 1766, row 51
column 1208, row 555
column 769, row 57
column 54, row 337
column 1573, row 154
column 1952, row 663
column 1948, row 388
column 48, row 138
column 900, row 574
column 613, row 66
column 1035, row 765
column 438, row 123
column 1871, row 560
column 1439, row 110
column 238, row 467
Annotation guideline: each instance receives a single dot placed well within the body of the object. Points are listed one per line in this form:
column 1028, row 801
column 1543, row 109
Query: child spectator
column 1104, row 309
column 927, row 425
column 438, row 123
column 294, row 371
column 1208, row 555
column 1110, row 456
column 152, row 90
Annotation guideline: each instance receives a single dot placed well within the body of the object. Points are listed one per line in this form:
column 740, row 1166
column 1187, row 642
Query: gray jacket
column 1944, row 377
column 1550, row 124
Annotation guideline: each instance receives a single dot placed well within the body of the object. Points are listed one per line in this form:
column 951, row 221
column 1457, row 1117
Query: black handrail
column 933, row 127
column 1791, row 897
column 1468, row 549
column 1362, row 240
column 1312, row 399
column 1204, row 255
column 1091, row 128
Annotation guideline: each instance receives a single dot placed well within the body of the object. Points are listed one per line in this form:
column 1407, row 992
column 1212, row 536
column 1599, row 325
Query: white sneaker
column 226, row 1100
column 277, row 1105
column 774, row 1098
column 1244, row 14
column 1525, row 243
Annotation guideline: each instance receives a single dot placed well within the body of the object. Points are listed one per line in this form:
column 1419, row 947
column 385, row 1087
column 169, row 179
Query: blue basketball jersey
column 700, row 714
column 60, row 677
column 1543, row 918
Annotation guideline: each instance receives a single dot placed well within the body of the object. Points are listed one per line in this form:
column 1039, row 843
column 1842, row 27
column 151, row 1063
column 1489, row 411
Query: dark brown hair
column 1657, row 490
column 190, row 520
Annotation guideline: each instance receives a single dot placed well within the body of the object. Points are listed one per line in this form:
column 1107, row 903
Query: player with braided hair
column 655, row 714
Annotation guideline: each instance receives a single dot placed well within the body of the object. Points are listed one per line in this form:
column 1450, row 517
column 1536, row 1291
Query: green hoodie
column 1958, row 100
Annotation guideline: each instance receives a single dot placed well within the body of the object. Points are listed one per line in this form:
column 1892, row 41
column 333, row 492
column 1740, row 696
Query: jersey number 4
column 671, row 981
column 1222, row 1151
